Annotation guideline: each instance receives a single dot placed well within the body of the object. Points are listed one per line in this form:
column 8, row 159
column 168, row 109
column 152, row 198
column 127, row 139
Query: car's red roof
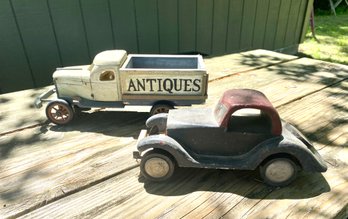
column 236, row 99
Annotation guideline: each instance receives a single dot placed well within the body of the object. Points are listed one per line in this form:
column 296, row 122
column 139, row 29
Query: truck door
column 105, row 85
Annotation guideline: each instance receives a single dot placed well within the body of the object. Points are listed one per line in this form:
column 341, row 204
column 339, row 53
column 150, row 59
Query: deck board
column 87, row 168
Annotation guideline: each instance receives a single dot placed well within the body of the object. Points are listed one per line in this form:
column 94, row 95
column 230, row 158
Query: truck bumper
column 43, row 97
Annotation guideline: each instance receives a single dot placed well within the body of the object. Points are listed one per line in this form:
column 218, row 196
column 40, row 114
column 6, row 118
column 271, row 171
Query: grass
column 332, row 35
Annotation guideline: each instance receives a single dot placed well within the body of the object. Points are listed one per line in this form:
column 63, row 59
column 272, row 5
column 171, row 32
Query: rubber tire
column 66, row 106
column 269, row 181
column 160, row 108
column 159, row 155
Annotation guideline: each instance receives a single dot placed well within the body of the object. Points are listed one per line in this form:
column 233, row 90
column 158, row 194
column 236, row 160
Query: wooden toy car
column 116, row 79
column 243, row 131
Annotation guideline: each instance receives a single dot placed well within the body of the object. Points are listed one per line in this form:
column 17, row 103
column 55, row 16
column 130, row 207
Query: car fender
column 168, row 144
column 159, row 120
column 309, row 159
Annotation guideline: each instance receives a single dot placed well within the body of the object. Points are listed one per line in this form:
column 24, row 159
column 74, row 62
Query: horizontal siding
column 38, row 36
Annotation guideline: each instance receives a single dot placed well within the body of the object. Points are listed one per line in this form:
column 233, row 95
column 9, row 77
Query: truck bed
column 193, row 62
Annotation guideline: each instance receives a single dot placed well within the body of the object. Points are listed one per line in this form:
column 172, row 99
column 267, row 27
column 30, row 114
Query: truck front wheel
column 59, row 112
column 160, row 108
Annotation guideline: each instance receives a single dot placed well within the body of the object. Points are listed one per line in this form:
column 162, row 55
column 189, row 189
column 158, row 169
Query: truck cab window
column 107, row 76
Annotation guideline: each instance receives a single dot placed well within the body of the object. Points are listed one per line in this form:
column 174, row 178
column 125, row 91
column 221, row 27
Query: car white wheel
column 157, row 166
column 279, row 172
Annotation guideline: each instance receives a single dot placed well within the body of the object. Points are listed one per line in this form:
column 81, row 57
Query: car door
column 245, row 131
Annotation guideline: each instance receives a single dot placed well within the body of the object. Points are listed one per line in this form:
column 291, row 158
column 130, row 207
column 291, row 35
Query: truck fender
column 158, row 121
column 168, row 144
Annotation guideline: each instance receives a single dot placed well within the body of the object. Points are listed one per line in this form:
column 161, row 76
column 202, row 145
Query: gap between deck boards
column 64, row 195
column 253, row 69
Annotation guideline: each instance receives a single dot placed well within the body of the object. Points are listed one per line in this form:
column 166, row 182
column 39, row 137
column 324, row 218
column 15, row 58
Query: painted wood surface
column 39, row 36
column 86, row 169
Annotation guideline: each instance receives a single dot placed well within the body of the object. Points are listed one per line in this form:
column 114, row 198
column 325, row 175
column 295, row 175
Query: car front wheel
column 157, row 166
column 279, row 172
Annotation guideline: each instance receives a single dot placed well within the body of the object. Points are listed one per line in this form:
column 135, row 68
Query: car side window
column 250, row 121
column 107, row 76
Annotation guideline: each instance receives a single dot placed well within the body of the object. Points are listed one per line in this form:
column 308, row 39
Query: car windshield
column 220, row 112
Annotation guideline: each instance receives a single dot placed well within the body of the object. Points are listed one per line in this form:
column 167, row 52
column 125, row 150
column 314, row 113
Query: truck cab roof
column 110, row 57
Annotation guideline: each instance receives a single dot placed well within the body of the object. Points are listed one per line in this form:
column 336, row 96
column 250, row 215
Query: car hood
column 191, row 118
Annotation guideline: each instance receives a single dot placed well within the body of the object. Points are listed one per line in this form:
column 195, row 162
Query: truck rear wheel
column 160, row 108
column 59, row 112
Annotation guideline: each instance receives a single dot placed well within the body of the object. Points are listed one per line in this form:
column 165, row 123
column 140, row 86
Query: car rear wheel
column 157, row 166
column 160, row 108
column 59, row 112
column 279, row 172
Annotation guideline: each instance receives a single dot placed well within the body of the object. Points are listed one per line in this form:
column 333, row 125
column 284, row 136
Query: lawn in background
column 332, row 33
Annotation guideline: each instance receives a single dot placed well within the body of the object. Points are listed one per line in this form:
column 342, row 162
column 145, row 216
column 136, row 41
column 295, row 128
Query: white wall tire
column 156, row 166
column 279, row 172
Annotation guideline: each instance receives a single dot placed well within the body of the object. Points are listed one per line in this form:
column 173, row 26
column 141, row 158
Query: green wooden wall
column 38, row 36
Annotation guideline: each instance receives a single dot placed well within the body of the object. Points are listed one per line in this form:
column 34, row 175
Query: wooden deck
column 86, row 169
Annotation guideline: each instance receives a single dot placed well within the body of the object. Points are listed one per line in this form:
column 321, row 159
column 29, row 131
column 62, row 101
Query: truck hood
column 182, row 118
column 72, row 74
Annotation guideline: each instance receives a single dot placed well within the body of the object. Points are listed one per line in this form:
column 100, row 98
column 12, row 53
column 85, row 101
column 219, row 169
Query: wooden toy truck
column 116, row 79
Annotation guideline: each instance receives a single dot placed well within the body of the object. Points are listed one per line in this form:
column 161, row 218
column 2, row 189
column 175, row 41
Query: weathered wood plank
column 23, row 102
column 39, row 165
column 224, row 66
column 281, row 83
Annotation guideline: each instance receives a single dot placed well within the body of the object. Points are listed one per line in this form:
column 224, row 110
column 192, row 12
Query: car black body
column 219, row 138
